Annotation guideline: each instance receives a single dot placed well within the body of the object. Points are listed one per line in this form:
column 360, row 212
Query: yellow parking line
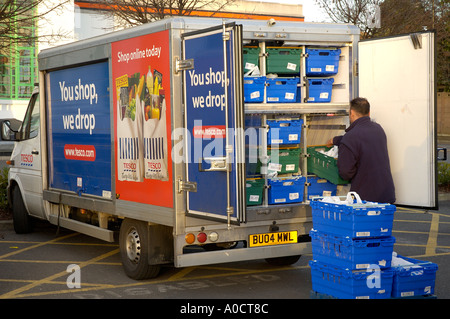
column 37, row 245
column 180, row 274
column 432, row 237
column 16, row 292
column 58, row 243
column 157, row 281
column 68, row 262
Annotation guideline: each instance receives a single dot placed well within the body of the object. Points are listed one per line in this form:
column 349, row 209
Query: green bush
column 444, row 174
column 3, row 185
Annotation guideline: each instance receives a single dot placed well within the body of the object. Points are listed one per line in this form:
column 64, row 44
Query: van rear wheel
column 134, row 250
column 23, row 224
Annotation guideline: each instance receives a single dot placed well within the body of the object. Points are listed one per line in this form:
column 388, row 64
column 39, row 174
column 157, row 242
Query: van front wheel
column 23, row 224
column 134, row 250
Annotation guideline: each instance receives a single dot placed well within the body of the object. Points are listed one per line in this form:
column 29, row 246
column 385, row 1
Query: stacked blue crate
column 413, row 278
column 317, row 187
column 254, row 89
column 285, row 189
column 352, row 249
column 281, row 90
column 321, row 64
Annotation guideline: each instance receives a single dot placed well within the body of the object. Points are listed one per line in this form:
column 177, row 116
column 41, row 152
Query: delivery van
column 195, row 139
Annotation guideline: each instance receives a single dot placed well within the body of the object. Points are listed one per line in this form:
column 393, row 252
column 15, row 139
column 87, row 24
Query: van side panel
column 79, row 131
column 141, row 85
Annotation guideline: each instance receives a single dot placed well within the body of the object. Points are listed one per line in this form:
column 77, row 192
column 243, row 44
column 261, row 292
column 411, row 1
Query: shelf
column 296, row 108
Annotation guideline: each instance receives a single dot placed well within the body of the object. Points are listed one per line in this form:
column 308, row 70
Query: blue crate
column 281, row 90
column 362, row 219
column 351, row 284
column 298, row 97
column 319, row 185
column 416, row 280
column 286, row 190
column 351, row 253
column 254, row 89
column 320, row 90
column 284, row 132
column 322, row 62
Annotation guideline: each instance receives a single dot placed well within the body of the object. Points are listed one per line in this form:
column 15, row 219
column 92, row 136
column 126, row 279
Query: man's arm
column 334, row 141
column 347, row 163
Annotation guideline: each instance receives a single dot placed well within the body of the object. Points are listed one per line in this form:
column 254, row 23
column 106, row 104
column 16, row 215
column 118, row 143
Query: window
column 18, row 63
column 30, row 124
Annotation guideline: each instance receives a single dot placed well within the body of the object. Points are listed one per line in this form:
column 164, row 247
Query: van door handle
column 34, row 152
column 218, row 164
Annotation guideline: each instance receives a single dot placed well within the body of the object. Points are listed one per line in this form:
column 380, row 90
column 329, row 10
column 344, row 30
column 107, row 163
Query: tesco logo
column 26, row 158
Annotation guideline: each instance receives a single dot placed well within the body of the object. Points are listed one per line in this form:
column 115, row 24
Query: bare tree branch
column 362, row 13
column 136, row 12
column 18, row 20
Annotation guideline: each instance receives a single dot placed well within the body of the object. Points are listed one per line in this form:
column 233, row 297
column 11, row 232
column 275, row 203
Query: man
column 363, row 156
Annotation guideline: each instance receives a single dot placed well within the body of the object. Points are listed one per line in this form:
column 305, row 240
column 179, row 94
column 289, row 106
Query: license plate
column 268, row 239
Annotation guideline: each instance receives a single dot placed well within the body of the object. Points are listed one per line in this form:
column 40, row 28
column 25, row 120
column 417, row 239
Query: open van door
column 397, row 76
column 214, row 122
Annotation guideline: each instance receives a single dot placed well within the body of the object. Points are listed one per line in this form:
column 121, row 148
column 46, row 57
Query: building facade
column 77, row 20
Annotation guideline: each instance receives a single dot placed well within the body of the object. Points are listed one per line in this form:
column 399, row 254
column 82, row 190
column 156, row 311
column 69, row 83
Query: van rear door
column 397, row 76
column 214, row 122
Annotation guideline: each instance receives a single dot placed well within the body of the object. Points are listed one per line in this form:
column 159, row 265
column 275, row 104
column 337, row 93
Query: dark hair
column 360, row 105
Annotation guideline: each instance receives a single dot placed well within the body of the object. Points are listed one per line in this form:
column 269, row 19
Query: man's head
column 359, row 107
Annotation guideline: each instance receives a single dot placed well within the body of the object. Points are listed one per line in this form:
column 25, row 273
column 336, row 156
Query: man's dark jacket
column 363, row 159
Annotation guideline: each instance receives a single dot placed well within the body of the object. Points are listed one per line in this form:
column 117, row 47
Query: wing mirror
column 7, row 133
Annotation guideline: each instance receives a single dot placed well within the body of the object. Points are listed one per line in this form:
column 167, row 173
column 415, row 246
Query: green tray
column 254, row 191
column 324, row 166
column 288, row 158
column 283, row 60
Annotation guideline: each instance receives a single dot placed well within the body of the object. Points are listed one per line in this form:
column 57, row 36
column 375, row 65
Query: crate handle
column 324, row 53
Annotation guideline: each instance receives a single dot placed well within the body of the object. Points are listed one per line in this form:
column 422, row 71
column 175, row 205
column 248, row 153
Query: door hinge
column 416, row 39
column 182, row 65
column 226, row 36
column 186, row 186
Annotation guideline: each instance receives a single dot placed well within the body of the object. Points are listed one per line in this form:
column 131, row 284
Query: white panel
column 398, row 81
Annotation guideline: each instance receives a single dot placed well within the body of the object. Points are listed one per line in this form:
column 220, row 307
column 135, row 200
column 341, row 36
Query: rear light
column 213, row 236
column 201, row 237
column 190, row 238
column 10, row 162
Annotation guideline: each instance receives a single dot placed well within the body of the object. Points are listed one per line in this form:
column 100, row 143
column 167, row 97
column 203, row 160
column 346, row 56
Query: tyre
column 22, row 222
column 134, row 250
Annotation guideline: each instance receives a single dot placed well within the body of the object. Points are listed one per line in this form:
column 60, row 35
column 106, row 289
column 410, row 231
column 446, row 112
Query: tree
column 408, row 16
column 363, row 13
column 136, row 12
column 18, row 20
column 378, row 18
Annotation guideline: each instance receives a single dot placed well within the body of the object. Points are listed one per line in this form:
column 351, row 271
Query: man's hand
column 330, row 142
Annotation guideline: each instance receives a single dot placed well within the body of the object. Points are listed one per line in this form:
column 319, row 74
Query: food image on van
column 155, row 133
column 129, row 128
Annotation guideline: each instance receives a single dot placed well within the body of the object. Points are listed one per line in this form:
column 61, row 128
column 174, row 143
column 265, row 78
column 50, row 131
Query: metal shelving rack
column 300, row 109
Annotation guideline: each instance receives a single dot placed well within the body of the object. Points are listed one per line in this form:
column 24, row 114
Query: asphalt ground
column 38, row 266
